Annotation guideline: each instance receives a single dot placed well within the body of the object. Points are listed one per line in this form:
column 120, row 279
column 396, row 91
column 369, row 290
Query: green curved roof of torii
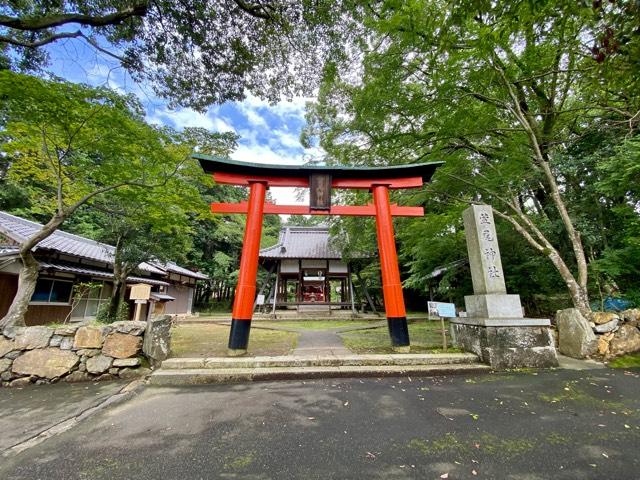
column 212, row 163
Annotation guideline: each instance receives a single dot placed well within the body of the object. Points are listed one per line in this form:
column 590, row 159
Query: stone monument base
column 506, row 343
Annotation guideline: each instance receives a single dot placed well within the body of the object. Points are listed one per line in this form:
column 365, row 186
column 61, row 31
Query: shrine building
column 307, row 272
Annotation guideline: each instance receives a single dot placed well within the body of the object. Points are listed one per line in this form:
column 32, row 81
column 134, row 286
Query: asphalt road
column 556, row 424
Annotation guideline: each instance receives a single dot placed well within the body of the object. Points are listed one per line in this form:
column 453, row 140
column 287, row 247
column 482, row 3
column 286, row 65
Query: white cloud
column 286, row 139
column 257, row 153
column 293, row 107
column 185, row 117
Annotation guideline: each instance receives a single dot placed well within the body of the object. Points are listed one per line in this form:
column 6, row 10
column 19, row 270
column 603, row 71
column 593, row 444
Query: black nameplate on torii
column 320, row 191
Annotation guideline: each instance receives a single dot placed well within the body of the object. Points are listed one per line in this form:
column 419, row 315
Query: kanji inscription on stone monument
column 484, row 254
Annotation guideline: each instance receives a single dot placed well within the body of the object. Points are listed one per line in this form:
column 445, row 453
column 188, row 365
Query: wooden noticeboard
column 140, row 291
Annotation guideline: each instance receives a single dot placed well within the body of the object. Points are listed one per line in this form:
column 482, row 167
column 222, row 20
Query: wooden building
column 310, row 273
column 66, row 260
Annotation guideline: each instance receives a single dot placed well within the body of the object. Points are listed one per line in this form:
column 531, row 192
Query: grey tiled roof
column 97, row 273
column 4, row 250
column 174, row 268
column 18, row 229
column 302, row 242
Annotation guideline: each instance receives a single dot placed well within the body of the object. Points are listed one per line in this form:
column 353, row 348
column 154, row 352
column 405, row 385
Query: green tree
column 500, row 91
column 195, row 52
column 68, row 144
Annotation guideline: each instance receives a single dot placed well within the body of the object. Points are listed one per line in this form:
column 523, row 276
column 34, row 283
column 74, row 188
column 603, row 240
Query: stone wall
column 605, row 334
column 74, row 353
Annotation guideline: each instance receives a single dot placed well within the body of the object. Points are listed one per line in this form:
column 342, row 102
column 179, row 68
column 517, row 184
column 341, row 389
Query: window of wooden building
column 55, row 291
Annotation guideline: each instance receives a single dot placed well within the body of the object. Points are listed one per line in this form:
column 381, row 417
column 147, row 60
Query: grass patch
column 631, row 360
column 484, row 442
column 426, row 337
column 239, row 463
column 572, row 392
column 314, row 324
column 211, row 341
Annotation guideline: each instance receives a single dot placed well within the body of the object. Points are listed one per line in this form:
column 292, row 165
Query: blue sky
column 268, row 133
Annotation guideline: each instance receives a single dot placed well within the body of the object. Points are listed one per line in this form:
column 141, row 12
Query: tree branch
column 258, row 11
column 41, row 42
column 35, row 24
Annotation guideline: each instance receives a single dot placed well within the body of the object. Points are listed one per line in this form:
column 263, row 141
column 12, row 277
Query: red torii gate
column 320, row 180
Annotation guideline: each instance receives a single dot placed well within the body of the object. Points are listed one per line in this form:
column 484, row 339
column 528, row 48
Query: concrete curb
column 199, row 376
column 415, row 359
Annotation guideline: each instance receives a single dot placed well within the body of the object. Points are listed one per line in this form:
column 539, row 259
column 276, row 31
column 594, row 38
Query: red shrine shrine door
column 320, row 180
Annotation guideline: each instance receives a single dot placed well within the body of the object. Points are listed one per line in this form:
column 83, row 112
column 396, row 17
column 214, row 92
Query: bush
column 103, row 316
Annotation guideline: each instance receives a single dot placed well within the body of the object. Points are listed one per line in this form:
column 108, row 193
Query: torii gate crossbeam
column 320, row 180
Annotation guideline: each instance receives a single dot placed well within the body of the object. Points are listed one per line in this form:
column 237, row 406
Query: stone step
column 416, row 359
column 193, row 376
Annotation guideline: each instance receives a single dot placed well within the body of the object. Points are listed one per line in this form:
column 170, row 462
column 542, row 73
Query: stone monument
column 495, row 328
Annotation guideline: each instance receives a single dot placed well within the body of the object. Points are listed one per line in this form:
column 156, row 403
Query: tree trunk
column 117, row 295
column 27, row 280
column 577, row 286
column 29, row 274
column 579, row 295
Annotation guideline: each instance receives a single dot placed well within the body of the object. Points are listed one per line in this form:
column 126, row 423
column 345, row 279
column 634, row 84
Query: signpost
column 442, row 310
column 140, row 293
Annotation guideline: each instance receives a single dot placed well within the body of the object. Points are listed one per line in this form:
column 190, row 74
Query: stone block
column 493, row 306
column 630, row 315
column 603, row 317
column 121, row 345
column 104, row 377
column 21, row 382
column 575, row 337
column 487, row 275
column 29, row 338
column 89, row 337
column 130, row 327
column 603, row 345
column 6, row 376
column 126, row 362
column 89, row 352
column 625, row 340
column 67, row 330
column 99, row 364
column 5, row 364
column 513, row 357
column 56, row 340
column 6, row 346
column 607, row 327
column 157, row 339
column 507, row 346
column 11, row 332
column 45, row 363
column 75, row 377
column 66, row 343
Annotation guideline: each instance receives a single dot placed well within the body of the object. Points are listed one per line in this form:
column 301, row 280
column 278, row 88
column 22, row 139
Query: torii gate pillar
column 242, row 312
column 391, row 285
column 321, row 180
